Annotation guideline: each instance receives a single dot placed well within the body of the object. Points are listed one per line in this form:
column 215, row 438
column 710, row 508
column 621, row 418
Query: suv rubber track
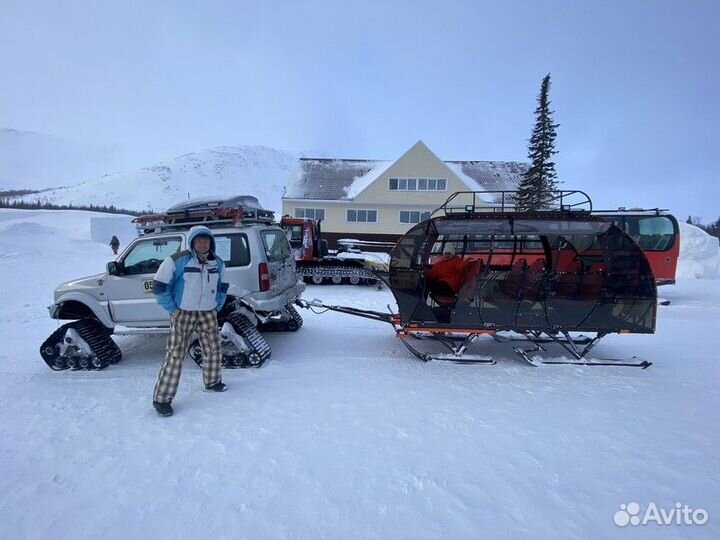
column 292, row 325
column 94, row 334
column 251, row 335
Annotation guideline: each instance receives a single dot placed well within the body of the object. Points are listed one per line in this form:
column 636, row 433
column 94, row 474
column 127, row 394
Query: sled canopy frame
column 542, row 274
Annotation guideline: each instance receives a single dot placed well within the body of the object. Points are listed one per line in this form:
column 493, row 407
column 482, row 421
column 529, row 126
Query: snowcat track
column 292, row 325
column 342, row 273
column 94, row 334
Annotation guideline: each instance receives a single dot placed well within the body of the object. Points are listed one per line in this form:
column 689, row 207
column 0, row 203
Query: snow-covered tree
column 540, row 181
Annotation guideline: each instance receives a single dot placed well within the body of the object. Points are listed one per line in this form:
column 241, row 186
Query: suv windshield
column 146, row 256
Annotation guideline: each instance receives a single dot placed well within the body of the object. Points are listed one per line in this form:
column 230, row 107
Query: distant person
column 446, row 276
column 190, row 286
column 115, row 244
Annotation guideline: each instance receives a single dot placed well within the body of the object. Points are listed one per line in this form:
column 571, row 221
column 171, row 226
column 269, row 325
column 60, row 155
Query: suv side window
column 276, row 245
column 233, row 249
column 146, row 256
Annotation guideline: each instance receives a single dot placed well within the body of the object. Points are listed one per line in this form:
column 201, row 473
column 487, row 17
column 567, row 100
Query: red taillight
column 264, row 275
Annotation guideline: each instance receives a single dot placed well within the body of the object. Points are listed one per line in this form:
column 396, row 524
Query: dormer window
column 418, row 184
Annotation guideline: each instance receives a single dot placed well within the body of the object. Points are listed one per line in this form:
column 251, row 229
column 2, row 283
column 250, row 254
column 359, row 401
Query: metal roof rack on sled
column 209, row 211
column 471, row 203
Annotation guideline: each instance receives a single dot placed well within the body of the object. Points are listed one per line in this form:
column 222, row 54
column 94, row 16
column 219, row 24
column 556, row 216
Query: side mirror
column 115, row 268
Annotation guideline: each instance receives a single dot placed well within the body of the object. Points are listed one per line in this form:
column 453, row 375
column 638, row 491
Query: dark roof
column 329, row 179
column 491, row 175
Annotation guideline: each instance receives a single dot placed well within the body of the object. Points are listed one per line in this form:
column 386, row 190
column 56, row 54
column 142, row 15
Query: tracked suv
column 259, row 268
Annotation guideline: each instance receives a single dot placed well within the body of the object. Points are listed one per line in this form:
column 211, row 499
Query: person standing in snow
column 446, row 277
column 114, row 244
column 190, row 286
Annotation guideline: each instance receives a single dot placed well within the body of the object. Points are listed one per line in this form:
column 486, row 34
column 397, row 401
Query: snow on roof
column 336, row 179
column 489, row 175
column 326, row 179
column 361, row 182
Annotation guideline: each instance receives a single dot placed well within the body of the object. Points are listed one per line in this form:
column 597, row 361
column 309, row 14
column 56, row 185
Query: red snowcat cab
column 317, row 264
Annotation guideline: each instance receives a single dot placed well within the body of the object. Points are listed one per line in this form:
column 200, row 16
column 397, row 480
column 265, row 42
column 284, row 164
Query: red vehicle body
column 314, row 262
column 657, row 233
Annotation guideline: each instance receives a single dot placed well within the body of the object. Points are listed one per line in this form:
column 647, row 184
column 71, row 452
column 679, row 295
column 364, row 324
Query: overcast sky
column 635, row 84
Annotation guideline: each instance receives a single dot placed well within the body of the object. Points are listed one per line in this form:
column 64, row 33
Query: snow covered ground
column 343, row 434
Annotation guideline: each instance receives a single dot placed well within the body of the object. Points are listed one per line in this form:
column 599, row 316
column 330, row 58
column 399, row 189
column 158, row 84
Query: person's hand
column 174, row 314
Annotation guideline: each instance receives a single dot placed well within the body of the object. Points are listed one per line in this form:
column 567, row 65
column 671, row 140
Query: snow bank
column 699, row 254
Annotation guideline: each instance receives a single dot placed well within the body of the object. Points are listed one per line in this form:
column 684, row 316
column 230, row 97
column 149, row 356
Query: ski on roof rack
column 208, row 211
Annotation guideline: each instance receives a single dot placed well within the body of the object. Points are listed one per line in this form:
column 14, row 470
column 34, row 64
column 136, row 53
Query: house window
column 312, row 213
column 362, row 216
column 413, row 216
column 417, row 184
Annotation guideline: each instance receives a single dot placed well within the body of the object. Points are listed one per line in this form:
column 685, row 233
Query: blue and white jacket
column 183, row 282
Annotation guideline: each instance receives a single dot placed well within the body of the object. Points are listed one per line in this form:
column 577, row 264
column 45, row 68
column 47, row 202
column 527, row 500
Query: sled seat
column 467, row 291
column 569, row 279
column 594, row 280
column 536, row 278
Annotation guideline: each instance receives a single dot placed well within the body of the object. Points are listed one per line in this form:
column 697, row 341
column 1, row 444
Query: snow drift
column 699, row 253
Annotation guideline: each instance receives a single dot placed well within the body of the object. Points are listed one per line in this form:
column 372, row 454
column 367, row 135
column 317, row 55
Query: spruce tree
column 539, row 183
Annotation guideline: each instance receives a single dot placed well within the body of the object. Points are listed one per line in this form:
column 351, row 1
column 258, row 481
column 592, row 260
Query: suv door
column 130, row 295
column 280, row 261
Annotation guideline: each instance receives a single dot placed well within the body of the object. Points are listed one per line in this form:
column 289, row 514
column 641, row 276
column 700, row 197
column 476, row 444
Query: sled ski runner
column 577, row 350
column 457, row 352
column 456, row 341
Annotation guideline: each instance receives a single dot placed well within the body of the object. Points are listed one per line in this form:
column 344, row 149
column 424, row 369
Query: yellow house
column 380, row 200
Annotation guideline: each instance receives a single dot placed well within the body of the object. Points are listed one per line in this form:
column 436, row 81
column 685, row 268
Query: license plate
column 147, row 286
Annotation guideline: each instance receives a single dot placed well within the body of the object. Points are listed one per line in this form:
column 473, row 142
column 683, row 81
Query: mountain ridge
column 223, row 171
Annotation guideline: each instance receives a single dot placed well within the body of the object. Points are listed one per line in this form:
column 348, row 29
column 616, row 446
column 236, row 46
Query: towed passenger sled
column 539, row 276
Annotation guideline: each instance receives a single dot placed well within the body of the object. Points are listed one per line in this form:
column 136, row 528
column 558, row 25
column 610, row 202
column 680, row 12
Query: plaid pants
column 182, row 326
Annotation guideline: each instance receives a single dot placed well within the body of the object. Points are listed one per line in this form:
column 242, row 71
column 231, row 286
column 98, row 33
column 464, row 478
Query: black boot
column 163, row 409
column 217, row 387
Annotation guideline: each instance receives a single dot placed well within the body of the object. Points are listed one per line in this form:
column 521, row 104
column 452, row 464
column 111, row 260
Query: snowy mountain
column 30, row 160
column 227, row 170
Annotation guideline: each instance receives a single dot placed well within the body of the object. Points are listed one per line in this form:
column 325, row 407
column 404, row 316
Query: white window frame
column 314, row 211
column 356, row 210
column 410, row 221
column 412, row 183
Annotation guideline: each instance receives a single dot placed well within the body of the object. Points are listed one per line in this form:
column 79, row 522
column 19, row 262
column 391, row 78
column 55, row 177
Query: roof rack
column 481, row 202
column 211, row 212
